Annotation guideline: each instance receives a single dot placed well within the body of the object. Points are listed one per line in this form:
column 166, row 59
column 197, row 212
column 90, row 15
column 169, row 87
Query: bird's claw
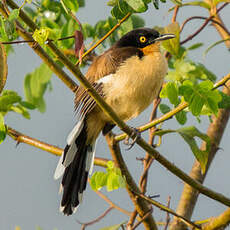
column 136, row 135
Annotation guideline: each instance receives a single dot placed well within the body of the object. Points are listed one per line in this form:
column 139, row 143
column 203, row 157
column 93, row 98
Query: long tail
column 76, row 163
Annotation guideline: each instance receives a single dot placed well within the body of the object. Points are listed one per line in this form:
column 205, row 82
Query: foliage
column 187, row 80
column 111, row 179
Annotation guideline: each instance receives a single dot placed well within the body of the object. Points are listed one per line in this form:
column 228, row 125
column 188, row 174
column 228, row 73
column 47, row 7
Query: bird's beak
column 163, row 37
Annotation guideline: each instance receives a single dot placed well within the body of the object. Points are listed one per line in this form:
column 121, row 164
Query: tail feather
column 76, row 163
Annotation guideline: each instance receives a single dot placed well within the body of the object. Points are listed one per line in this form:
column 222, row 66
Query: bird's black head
column 141, row 38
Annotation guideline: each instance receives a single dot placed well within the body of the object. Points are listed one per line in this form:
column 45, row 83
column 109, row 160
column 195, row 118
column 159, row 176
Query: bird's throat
column 148, row 50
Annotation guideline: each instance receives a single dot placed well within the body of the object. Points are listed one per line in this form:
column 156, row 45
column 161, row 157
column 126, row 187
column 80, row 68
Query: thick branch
column 219, row 222
column 140, row 205
column 224, row 33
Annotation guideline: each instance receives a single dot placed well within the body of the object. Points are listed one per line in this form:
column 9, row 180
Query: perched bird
column 128, row 76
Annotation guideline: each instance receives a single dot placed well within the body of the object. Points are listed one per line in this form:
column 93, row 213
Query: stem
column 21, row 138
column 140, row 204
column 204, row 25
column 168, row 210
column 106, row 36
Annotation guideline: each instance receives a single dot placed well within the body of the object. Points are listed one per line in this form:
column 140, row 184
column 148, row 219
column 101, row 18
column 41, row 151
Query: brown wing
column 103, row 65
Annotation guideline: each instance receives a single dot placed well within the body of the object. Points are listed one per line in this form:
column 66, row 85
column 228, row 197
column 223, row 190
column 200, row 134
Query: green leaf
column 126, row 26
column 71, row 5
column 137, row 21
column 98, row 180
column 3, row 67
column 121, row 9
column 114, row 227
column 156, row 4
column 189, row 134
column 164, row 108
column 67, row 30
column 196, row 104
column 172, row 45
column 13, row 15
column 112, row 179
column 27, row 105
column 2, row 129
column 21, row 110
column 172, row 93
column 181, row 117
column 35, row 85
column 195, row 46
column 137, row 5
column 202, row 4
column 7, row 99
column 201, row 72
column 213, row 45
column 225, row 101
column 111, row 2
column 41, row 35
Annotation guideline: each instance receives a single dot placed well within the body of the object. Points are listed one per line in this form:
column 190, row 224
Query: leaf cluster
column 111, row 179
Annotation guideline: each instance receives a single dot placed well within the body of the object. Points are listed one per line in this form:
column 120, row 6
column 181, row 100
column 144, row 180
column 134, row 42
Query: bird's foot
column 135, row 136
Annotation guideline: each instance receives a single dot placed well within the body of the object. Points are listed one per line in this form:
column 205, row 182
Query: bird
column 128, row 76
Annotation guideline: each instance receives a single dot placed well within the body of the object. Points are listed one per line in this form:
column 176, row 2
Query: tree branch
column 21, row 138
column 84, row 225
column 106, row 199
column 140, row 205
column 190, row 37
column 168, row 210
column 219, row 222
column 215, row 131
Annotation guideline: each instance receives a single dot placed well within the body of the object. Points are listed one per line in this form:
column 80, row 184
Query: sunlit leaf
column 71, row 5
column 189, row 134
column 41, row 35
column 13, row 15
column 172, row 45
column 137, row 5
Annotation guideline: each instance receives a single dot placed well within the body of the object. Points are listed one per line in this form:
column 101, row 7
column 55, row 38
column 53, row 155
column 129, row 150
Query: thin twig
column 176, row 9
column 106, row 36
column 167, row 209
column 202, row 18
column 167, row 221
column 84, row 225
column 107, row 200
column 141, row 205
column 132, row 219
column 190, row 37
column 142, row 219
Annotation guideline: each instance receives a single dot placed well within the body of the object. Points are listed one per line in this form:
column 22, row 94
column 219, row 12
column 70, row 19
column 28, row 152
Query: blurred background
column 28, row 193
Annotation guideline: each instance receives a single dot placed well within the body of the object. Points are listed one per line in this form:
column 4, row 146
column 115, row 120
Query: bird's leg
column 135, row 135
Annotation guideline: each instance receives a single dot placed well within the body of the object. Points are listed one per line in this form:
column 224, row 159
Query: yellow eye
column 142, row 39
